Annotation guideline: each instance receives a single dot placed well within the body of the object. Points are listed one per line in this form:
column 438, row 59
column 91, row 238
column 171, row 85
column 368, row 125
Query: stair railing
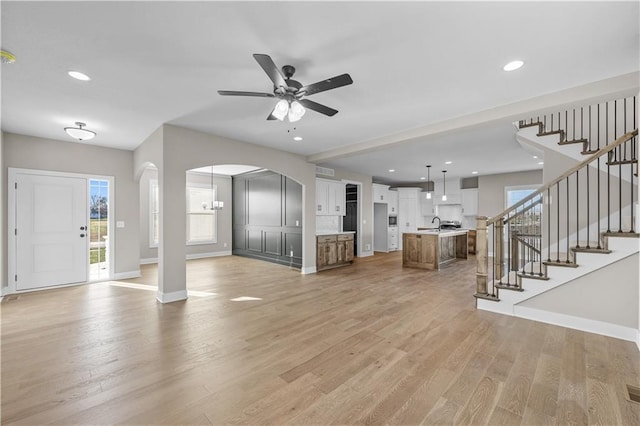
column 548, row 219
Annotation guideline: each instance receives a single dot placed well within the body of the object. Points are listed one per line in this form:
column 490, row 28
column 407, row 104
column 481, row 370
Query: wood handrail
column 622, row 139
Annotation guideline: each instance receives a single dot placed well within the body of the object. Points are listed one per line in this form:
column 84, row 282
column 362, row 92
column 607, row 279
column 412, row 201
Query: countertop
column 318, row 234
column 442, row 233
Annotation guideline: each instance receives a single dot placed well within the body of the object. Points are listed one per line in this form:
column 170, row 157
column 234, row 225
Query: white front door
column 51, row 231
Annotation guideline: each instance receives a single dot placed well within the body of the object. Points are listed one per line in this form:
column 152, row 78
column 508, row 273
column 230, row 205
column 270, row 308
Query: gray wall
column 267, row 217
column 491, row 189
column 149, row 254
column 29, row 152
column 609, row 295
column 3, row 225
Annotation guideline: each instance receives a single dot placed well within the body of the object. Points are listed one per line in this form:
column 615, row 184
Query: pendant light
column 444, row 185
column 215, row 205
column 428, row 182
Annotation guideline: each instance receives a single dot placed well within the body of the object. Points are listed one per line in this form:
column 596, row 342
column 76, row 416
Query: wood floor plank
column 372, row 343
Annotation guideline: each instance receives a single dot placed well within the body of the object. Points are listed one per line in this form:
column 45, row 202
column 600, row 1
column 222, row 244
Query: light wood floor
column 371, row 343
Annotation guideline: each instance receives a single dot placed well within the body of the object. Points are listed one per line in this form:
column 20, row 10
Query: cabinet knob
column 319, row 207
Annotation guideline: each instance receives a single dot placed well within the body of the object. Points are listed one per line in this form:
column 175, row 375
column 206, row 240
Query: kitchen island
column 429, row 249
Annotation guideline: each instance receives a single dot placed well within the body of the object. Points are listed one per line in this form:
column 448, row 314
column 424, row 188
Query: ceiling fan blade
column 235, row 93
column 328, row 84
column 271, row 117
column 322, row 109
column 271, row 69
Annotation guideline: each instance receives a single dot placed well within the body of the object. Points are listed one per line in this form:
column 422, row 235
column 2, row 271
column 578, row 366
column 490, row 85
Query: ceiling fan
column 291, row 92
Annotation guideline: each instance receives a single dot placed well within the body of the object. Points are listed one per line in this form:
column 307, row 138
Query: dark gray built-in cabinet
column 267, row 217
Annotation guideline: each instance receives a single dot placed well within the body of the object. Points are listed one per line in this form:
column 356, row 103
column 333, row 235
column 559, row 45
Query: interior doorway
column 350, row 219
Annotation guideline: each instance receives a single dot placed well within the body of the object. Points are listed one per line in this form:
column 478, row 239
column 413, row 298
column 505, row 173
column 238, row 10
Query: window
column 201, row 220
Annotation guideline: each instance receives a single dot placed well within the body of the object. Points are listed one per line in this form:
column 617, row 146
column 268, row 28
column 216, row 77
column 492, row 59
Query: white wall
column 608, row 295
column 3, row 225
column 46, row 154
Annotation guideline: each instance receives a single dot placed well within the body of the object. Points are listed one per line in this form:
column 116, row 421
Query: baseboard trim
column 126, row 275
column 308, row 270
column 152, row 260
column 210, row 254
column 367, row 253
column 577, row 323
column 638, row 337
column 174, row 296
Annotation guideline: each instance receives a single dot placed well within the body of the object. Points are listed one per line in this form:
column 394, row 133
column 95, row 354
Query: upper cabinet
column 469, row 202
column 380, row 193
column 330, row 198
column 392, row 197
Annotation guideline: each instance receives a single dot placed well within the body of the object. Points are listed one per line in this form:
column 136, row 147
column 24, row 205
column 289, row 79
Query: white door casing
column 51, row 246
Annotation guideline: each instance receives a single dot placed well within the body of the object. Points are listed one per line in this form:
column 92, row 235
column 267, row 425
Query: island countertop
column 441, row 233
column 334, row 233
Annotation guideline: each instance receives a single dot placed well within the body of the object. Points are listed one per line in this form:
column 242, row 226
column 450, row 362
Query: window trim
column 214, row 213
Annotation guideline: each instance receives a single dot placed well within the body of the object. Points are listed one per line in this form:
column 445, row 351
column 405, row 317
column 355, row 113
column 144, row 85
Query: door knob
column 81, row 235
column 82, row 228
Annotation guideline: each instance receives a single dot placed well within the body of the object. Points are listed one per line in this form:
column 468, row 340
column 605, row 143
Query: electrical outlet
column 225, row 244
column 291, row 253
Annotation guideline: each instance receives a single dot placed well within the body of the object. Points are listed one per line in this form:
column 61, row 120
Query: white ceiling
column 414, row 65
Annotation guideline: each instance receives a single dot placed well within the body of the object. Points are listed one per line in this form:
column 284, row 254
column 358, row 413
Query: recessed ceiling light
column 540, row 163
column 297, row 138
column 423, row 178
column 448, row 162
column 513, row 65
column 79, row 76
column 535, row 156
column 474, row 173
column 392, row 170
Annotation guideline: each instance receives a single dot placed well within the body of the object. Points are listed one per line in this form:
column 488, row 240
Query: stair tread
column 624, row 234
column 572, row 141
column 486, row 297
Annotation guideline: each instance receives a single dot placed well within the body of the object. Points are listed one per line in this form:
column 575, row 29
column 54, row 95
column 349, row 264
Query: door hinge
column 15, row 232
column 16, row 277
column 16, row 185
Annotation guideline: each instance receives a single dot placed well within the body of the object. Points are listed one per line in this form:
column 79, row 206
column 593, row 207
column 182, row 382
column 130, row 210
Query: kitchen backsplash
column 326, row 224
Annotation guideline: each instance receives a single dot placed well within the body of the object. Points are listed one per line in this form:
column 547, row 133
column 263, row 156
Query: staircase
column 580, row 222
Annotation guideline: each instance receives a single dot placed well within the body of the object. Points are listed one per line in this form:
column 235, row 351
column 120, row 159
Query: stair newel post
column 498, row 255
column 482, row 255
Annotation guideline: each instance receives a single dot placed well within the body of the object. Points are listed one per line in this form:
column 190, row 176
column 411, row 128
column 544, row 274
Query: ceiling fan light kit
column 291, row 92
column 80, row 132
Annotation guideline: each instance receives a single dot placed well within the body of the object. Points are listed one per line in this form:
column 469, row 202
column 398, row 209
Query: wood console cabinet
column 334, row 250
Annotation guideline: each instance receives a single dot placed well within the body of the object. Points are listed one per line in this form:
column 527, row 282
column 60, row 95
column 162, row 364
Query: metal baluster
column 558, row 222
column 588, row 185
column 509, row 254
column 608, row 175
column 549, row 224
column 568, row 222
column 578, row 209
column 493, row 282
column 633, row 159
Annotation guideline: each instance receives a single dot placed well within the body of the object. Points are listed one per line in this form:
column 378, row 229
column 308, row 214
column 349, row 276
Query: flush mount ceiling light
column 448, row 162
column 392, row 170
column 474, row 173
column 297, row 138
column 79, row 76
column 79, row 132
column 7, row 57
column 513, row 65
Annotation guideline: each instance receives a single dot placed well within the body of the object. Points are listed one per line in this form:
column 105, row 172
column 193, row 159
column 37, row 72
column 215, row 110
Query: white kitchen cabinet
column 393, row 238
column 322, row 197
column 380, row 193
column 392, row 197
column 470, row 202
column 330, row 198
column 409, row 210
column 426, row 205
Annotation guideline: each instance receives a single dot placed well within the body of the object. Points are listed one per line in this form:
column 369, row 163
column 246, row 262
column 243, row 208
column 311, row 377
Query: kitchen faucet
column 434, row 219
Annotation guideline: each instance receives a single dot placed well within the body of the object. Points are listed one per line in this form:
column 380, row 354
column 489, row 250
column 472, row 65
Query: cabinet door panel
column 292, row 203
column 263, row 190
